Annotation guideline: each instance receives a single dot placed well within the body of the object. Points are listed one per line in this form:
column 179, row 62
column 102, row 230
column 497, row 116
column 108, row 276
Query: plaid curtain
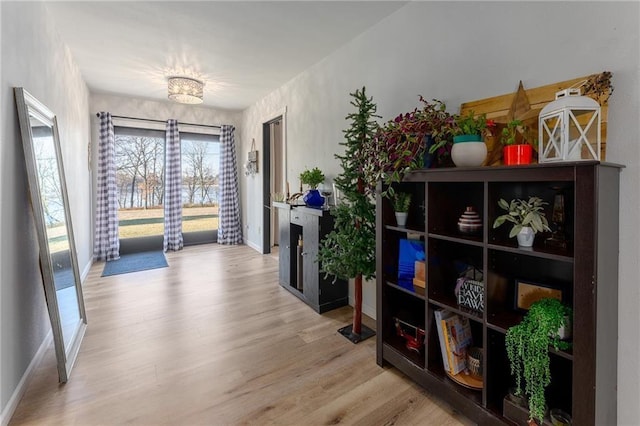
column 172, row 189
column 229, row 229
column 107, row 242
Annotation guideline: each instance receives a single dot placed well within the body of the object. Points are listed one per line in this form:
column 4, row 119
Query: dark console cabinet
column 299, row 270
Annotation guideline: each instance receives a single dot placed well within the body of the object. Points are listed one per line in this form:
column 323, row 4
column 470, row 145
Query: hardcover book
column 457, row 332
column 439, row 315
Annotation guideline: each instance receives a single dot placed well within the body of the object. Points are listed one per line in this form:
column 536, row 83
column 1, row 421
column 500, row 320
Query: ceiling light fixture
column 185, row 90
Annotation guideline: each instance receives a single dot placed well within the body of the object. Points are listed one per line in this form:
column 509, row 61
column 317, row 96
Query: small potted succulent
column 312, row 178
column 527, row 346
column 516, row 148
column 401, row 203
column 469, row 148
column 527, row 217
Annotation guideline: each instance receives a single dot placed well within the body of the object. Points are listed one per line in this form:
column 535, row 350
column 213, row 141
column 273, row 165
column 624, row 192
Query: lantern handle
column 571, row 91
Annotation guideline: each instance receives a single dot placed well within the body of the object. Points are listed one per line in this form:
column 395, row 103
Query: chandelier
column 185, row 90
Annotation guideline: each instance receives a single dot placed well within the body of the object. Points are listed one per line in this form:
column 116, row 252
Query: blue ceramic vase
column 429, row 159
column 312, row 198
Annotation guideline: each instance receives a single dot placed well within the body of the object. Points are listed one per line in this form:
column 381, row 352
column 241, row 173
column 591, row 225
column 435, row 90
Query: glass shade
column 185, row 90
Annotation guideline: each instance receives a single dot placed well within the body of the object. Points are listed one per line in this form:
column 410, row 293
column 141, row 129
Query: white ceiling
column 242, row 50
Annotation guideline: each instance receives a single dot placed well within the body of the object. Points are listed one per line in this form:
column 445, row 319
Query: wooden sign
column 526, row 104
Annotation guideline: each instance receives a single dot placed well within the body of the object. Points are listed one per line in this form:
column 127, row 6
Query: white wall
column 463, row 51
column 34, row 57
column 156, row 110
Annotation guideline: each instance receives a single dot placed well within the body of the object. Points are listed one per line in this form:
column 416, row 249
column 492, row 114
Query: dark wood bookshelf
column 416, row 292
column 585, row 272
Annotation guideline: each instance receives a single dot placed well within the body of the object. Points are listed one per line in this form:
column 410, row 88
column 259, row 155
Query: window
column 200, row 187
column 140, row 182
column 140, row 169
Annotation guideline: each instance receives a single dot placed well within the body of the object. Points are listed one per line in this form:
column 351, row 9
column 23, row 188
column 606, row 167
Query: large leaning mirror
column 58, row 257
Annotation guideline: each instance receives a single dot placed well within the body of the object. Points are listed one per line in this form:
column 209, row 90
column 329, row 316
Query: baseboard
column 86, row 270
column 12, row 404
column 253, row 245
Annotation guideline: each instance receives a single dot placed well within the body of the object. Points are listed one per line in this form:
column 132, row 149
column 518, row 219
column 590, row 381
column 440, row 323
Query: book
column 457, row 332
column 409, row 251
column 439, row 315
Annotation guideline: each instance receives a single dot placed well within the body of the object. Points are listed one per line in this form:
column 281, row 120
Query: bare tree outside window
column 140, row 171
column 200, row 160
column 140, row 181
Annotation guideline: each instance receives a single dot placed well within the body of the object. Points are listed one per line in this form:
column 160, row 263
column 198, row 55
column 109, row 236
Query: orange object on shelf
column 419, row 275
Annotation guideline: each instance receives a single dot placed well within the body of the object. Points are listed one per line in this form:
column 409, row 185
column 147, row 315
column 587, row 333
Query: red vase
column 514, row 155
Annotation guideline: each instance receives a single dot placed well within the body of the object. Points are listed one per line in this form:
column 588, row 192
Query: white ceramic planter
column 468, row 154
column 526, row 237
column 564, row 332
column 401, row 218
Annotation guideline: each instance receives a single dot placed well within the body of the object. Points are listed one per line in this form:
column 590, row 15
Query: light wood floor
column 214, row 340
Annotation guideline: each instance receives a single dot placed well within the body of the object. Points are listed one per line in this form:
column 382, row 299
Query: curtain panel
column 172, row 189
column 107, row 242
column 229, row 226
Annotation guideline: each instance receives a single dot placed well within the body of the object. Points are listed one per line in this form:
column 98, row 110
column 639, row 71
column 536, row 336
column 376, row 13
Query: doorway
column 274, row 172
column 140, row 167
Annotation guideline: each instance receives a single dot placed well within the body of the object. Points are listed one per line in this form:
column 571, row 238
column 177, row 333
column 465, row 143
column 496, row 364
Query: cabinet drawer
column 297, row 218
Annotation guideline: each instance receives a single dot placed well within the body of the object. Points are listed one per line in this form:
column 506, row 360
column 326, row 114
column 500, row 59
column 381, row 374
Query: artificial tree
column 349, row 250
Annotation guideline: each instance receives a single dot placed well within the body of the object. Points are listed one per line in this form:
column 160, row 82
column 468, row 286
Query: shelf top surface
column 301, row 208
column 542, row 171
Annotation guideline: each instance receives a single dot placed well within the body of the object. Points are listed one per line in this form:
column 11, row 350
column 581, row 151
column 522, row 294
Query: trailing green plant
column 527, row 346
column 523, row 213
column 349, row 250
column 401, row 202
column 313, row 177
column 400, row 144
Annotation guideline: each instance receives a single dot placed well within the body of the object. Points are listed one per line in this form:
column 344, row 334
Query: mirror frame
column 28, row 106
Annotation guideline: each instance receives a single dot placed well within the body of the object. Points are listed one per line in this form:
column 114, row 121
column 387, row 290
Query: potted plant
column 401, row 203
column 527, row 346
column 400, row 145
column 313, row 178
column 468, row 147
column 349, row 250
column 516, row 148
column 527, row 216
column 436, row 124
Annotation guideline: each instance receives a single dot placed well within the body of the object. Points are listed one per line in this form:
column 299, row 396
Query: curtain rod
column 160, row 121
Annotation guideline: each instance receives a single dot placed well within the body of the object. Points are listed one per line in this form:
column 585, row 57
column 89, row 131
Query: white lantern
column 569, row 128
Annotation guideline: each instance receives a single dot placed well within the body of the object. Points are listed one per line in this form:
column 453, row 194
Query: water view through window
column 200, row 182
column 140, row 174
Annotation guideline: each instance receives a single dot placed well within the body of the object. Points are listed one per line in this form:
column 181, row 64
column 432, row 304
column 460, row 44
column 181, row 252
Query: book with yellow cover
column 457, row 332
column 439, row 315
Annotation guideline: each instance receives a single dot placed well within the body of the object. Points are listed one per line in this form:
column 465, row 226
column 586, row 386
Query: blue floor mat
column 135, row 262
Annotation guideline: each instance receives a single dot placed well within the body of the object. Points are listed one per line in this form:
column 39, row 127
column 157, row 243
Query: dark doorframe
column 275, row 153
column 266, row 186
column 274, row 166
